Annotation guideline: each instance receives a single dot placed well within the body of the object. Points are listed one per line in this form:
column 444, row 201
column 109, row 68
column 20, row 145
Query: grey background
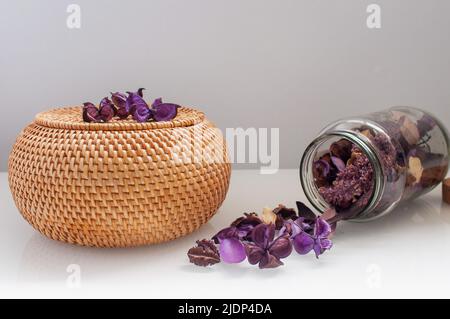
column 292, row 64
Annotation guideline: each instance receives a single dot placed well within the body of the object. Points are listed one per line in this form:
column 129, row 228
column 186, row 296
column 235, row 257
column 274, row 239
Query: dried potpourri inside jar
column 365, row 166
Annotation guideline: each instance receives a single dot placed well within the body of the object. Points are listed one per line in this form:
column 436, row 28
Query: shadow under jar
column 365, row 166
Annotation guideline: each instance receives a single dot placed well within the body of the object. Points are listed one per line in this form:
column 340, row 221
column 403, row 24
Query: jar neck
column 310, row 156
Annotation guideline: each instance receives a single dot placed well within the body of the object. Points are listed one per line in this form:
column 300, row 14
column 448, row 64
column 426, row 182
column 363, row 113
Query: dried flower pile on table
column 267, row 239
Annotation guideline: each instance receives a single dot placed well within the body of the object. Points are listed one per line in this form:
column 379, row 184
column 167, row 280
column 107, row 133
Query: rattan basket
column 120, row 183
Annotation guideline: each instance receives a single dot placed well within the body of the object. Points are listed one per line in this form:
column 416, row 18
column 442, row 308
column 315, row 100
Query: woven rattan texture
column 118, row 187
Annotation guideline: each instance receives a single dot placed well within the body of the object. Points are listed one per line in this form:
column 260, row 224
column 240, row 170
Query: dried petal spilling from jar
column 266, row 239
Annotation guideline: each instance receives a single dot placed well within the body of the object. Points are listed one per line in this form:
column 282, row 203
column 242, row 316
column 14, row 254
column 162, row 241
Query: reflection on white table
column 405, row 254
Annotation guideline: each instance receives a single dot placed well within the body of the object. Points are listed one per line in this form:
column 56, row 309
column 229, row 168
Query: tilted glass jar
column 407, row 149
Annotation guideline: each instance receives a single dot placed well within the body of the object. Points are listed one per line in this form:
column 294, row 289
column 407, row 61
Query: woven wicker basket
column 120, row 183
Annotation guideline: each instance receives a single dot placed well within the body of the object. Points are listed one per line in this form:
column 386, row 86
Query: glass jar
column 365, row 166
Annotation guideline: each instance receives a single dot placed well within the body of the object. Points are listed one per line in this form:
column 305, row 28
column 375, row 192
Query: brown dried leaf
column 204, row 254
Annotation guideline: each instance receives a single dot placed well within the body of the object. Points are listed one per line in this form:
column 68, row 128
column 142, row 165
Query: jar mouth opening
column 309, row 184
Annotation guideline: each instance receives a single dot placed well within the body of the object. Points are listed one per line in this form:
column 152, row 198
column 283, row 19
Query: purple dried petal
column 303, row 243
column 254, row 253
column 165, row 112
column 245, row 225
column 229, row 232
column 204, row 254
column 281, row 247
column 105, row 101
column 141, row 113
column 123, row 112
column 232, row 250
column 120, row 101
column 325, row 243
column 135, row 100
column 90, row 112
column 322, row 229
column 317, row 249
column 340, row 165
column 286, row 229
column 263, row 234
column 156, row 102
column 321, row 245
column 107, row 110
column 293, row 228
column 322, row 167
column 296, row 228
column 269, row 261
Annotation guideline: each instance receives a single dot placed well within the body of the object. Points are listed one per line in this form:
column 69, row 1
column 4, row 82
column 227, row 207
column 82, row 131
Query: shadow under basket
column 120, row 183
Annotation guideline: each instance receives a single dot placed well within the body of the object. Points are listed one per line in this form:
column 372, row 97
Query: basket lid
column 71, row 118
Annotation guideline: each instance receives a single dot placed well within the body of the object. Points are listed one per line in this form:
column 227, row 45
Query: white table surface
column 405, row 254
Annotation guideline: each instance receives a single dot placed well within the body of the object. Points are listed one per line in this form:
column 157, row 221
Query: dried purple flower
column 249, row 237
column 156, row 102
column 135, row 99
column 240, row 228
column 318, row 241
column 138, row 107
column 266, row 251
column 142, row 113
column 229, row 239
column 107, row 110
column 120, row 101
column 90, row 112
column 204, row 254
column 165, row 111
column 292, row 228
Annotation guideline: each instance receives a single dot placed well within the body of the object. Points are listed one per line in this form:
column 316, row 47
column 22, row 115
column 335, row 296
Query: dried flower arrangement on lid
column 122, row 106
